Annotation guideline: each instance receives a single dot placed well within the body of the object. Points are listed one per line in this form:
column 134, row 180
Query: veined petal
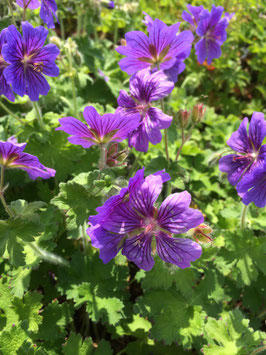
column 177, row 251
column 14, row 74
column 139, row 139
column 252, row 188
column 175, row 216
column 257, row 129
column 142, row 199
column 147, row 87
column 201, row 50
column 239, row 140
column 12, row 51
column 33, row 37
column 138, row 250
column 48, row 11
column 163, row 121
column 107, row 242
column 36, row 84
column 122, row 220
column 81, row 134
column 235, row 166
column 125, row 101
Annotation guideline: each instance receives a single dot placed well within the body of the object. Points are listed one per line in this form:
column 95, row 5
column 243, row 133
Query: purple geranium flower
column 145, row 88
column 252, row 188
column 48, row 10
column 13, row 157
column 140, row 229
column 102, row 129
column 193, row 16
column 160, row 50
column 252, row 151
column 213, row 30
column 5, row 88
column 29, row 60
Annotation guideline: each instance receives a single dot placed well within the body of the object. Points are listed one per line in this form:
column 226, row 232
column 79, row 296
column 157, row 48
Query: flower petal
column 138, row 250
column 175, row 216
column 235, row 166
column 177, row 251
column 33, row 37
column 257, row 129
column 107, row 242
column 239, row 140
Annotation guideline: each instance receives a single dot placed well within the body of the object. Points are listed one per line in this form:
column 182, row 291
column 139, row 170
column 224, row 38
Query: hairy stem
column 11, row 11
column 102, row 160
column 243, row 217
column 46, row 255
column 10, row 112
column 2, row 190
column 38, row 113
column 185, row 138
column 72, row 82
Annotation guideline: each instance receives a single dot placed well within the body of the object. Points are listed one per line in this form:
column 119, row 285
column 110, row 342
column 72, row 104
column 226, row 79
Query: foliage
column 56, row 295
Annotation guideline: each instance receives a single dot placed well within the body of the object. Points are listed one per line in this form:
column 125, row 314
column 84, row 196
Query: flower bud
column 198, row 113
column 114, row 157
column 183, row 117
column 56, row 40
column 201, row 234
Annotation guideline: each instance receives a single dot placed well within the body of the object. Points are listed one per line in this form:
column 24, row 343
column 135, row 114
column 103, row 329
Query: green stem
column 38, row 113
column 10, row 112
column 184, row 140
column 11, row 11
column 79, row 21
column 62, row 28
column 72, row 82
column 102, row 160
column 8, row 211
column 243, row 218
column 165, row 136
column 46, row 255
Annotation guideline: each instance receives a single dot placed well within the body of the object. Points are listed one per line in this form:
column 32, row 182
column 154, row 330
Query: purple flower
column 249, row 146
column 102, row 129
column 48, row 10
column 5, row 88
column 212, row 29
column 140, row 229
column 111, row 5
column 145, row 88
column 13, row 157
column 158, row 51
column 29, row 60
column 113, row 202
column 193, row 16
column 252, row 188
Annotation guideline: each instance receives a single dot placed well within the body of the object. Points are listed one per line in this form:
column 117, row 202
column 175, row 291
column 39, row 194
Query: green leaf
column 25, row 210
column 11, row 340
column 12, row 233
column 20, row 280
column 101, row 287
column 174, row 320
column 28, row 309
column 55, row 319
column 76, row 345
column 231, row 335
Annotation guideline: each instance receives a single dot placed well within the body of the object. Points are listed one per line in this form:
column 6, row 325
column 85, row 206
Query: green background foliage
column 56, row 295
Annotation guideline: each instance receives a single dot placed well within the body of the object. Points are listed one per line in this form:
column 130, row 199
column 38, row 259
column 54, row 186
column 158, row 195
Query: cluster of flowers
column 247, row 169
column 131, row 221
column 211, row 29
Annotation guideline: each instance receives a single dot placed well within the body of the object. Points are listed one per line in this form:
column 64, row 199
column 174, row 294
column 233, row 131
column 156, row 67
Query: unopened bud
column 201, row 234
column 123, row 42
column 183, row 117
column 198, row 113
column 56, row 40
column 114, row 157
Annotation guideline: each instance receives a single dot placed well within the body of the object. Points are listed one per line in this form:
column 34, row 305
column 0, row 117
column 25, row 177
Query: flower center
column 157, row 58
column 250, row 156
column 150, row 225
